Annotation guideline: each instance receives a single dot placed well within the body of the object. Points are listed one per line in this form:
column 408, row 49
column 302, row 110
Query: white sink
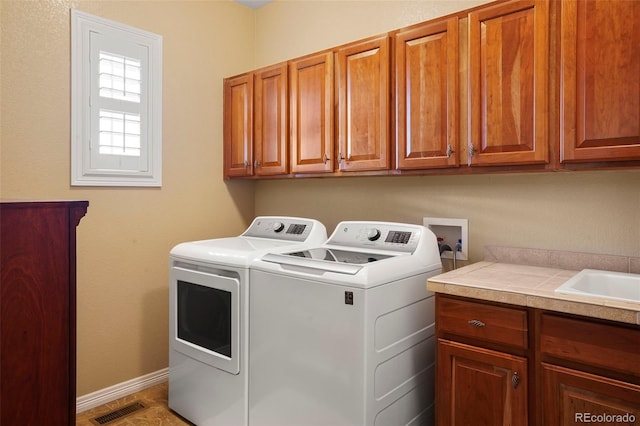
column 610, row 285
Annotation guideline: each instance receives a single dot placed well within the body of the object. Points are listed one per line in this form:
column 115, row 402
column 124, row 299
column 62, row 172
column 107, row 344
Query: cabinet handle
column 450, row 150
column 256, row 164
column 325, row 158
column 246, row 164
column 471, row 151
column 476, row 323
column 515, row 380
column 341, row 158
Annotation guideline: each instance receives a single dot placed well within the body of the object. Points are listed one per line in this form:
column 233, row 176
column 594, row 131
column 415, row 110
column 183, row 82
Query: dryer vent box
column 450, row 230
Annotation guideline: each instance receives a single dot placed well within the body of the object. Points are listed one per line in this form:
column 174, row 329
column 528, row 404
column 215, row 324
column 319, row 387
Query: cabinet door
column 311, row 113
column 363, row 105
column 426, row 97
column 479, row 386
column 571, row 397
column 238, row 126
column 600, row 80
column 270, row 130
column 508, row 77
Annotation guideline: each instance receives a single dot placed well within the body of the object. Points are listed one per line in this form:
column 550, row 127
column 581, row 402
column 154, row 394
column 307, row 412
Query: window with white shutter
column 116, row 135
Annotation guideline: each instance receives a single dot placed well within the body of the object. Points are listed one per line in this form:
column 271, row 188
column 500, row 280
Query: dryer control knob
column 373, row 234
column 278, row 226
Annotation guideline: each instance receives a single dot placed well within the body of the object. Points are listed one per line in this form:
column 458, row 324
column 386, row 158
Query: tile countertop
column 532, row 286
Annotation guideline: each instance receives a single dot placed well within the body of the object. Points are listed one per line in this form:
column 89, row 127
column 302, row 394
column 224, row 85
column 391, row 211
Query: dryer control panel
column 284, row 228
column 377, row 235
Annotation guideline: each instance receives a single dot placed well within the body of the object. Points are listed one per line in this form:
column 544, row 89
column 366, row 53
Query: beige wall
column 124, row 240
column 286, row 29
column 583, row 211
column 595, row 212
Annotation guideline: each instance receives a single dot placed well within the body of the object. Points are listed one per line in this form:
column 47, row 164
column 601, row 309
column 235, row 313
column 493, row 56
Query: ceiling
column 254, row 4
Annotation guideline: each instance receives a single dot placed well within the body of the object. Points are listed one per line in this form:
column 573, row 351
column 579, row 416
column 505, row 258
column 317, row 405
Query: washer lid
column 338, row 255
column 327, row 259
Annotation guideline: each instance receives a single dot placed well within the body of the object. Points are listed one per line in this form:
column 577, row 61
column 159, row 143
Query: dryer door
column 204, row 317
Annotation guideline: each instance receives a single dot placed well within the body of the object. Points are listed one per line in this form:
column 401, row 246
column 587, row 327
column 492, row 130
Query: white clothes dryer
column 344, row 333
column 209, row 317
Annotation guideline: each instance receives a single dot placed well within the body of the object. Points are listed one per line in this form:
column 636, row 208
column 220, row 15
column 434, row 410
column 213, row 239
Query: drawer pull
column 515, row 380
column 476, row 323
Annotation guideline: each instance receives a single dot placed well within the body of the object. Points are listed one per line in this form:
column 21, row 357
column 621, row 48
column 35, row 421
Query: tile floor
column 156, row 413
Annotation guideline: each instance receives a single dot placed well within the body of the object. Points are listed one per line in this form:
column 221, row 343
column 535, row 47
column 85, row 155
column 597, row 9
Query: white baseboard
column 97, row 398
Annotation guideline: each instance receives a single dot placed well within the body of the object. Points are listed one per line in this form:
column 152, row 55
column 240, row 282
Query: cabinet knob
column 476, row 323
column 450, row 150
column 325, row 158
column 341, row 159
column 515, row 380
column 471, row 151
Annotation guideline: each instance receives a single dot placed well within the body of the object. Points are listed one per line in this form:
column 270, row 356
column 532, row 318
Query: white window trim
column 82, row 174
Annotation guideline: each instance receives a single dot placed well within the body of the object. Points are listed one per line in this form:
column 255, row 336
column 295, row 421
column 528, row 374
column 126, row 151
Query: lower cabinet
column 500, row 364
column 572, row 397
column 482, row 366
column 590, row 371
column 479, row 386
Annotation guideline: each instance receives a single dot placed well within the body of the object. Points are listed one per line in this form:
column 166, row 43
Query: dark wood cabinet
column 38, row 311
column 588, row 368
column 478, row 386
column 482, row 363
column 600, row 80
column 573, row 397
column 501, row 364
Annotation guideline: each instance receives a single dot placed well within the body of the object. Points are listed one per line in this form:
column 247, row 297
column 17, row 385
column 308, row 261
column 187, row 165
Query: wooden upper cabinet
column 427, row 96
column 311, row 113
column 238, row 126
column 475, row 89
column 508, row 76
column 600, row 80
column 271, row 121
column 363, row 70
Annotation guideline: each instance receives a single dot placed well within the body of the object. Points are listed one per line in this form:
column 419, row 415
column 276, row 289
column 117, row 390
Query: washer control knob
column 373, row 234
column 277, row 226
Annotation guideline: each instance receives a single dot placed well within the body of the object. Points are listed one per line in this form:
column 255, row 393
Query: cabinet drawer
column 590, row 343
column 489, row 323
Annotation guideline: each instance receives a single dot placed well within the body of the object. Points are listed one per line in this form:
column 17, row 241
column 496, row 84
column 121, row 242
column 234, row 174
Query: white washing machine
column 208, row 316
column 344, row 333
